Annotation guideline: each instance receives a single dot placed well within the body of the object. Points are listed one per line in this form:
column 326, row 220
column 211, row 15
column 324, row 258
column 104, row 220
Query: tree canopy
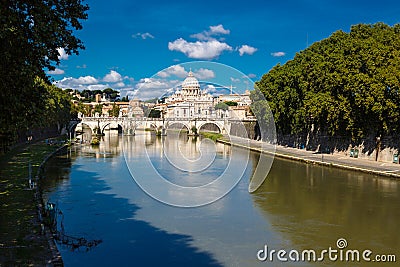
column 347, row 84
column 32, row 36
column 114, row 112
column 221, row 105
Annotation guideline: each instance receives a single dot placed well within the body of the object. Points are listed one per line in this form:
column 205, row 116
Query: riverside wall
column 371, row 148
column 381, row 149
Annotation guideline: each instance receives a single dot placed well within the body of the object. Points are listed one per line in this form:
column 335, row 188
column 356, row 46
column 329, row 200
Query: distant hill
column 347, row 85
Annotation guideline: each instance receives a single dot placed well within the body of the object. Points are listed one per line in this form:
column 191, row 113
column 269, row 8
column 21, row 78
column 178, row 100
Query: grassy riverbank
column 212, row 136
column 21, row 241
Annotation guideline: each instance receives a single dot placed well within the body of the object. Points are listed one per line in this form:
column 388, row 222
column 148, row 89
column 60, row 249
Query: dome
column 190, row 82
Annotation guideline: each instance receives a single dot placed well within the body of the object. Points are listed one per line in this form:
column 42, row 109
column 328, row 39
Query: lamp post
column 378, row 146
column 310, row 122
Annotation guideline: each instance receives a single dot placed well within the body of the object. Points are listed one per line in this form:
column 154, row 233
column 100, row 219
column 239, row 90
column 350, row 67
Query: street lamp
column 378, row 146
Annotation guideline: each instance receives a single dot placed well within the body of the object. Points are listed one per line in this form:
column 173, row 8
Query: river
column 298, row 207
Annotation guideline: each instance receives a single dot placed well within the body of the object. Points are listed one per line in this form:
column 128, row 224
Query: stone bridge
column 130, row 125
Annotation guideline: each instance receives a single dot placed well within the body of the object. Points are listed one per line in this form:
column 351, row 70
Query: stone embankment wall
column 245, row 129
column 376, row 149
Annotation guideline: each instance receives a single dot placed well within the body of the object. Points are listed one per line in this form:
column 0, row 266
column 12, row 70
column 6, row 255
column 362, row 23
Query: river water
column 299, row 207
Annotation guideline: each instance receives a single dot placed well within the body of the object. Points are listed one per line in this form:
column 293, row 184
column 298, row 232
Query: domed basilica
column 190, row 101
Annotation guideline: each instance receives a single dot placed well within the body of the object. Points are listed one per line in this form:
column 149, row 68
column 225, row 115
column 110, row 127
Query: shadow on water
column 314, row 206
column 100, row 215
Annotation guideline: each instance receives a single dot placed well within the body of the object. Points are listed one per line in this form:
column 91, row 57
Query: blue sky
column 129, row 42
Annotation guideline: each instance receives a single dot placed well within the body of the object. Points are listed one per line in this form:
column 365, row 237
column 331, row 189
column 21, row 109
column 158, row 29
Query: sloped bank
column 327, row 160
column 23, row 240
column 56, row 259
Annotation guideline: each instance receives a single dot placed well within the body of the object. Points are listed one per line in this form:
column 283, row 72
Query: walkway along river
column 298, row 207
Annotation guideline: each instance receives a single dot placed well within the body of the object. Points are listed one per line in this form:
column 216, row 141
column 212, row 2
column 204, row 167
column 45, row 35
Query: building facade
column 190, row 101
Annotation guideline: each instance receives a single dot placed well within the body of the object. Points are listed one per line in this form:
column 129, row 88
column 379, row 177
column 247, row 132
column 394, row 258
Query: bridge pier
column 128, row 131
column 161, row 131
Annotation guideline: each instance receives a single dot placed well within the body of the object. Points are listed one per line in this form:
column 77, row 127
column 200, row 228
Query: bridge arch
column 129, row 125
column 214, row 126
column 72, row 125
column 173, row 124
column 112, row 124
column 88, row 125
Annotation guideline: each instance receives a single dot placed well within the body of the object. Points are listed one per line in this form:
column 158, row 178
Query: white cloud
column 76, row 83
column 278, row 54
column 87, row 80
column 199, row 50
column 148, row 88
column 81, row 67
column 175, row 70
column 119, row 85
column 210, row 89
column 202, row 36
column 235, row 80
column 219, row 29
column 152, row 83
column 130, row 79
column 251, row 75
column 113, row 80
column 208, row 35
column 163, row 74
column 246, row 49
column 62, row 54
column 57, row 71
column 144, row 36
column 112, row 77
column 180, row 72
column 97, row 87
column 204, row 74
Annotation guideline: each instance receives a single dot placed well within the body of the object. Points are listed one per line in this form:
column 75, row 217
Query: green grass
column 212, row 136
column 21, row 243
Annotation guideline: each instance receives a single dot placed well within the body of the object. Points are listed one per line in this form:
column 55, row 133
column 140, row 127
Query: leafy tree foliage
column 347, row 84
column 221, row 105
column 114, row 112
column 110, row 93
column 31, row 36
column 125, row 99
column 231, row 103
column 91, row 94
column 80, row 107
column 154, row 113
column 98, row 109
column 52, row 106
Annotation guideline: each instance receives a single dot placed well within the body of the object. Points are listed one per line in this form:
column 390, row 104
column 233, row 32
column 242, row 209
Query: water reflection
column 183, row 171
column 313, row 206
column 90, row 211
column 298, row 207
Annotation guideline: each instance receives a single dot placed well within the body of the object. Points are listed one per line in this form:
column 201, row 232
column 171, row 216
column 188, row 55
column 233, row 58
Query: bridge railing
column 165, row 119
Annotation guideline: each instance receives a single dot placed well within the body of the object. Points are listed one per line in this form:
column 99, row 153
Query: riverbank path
column 387, row 169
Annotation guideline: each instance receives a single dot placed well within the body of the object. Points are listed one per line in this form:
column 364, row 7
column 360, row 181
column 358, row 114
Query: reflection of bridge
column 130, row 125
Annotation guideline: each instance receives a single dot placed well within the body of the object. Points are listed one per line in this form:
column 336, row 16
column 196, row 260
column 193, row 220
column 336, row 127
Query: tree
column 231, row 103
column 80, row 107
column 98, row 109
column 347, row 84
column 114, row 112
column 221, row 105
column 32, row 36
column 154, row 113
column 111, row 93
column 125, row 99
